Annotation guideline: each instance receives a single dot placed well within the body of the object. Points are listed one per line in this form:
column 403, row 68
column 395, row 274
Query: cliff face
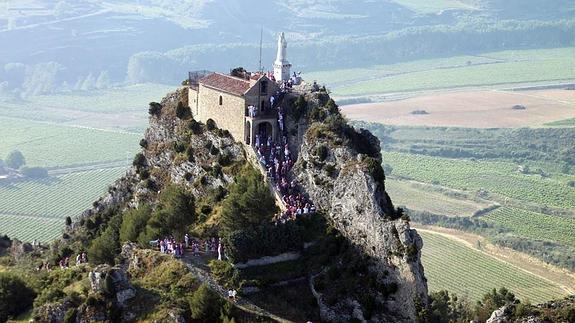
column 341, row 172
column 177, row 151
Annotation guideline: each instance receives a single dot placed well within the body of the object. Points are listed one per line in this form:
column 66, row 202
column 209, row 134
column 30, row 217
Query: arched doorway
column 265, row 129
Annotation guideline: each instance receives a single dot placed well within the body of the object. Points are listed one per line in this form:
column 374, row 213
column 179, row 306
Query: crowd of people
column 169, row 245
column 196, row 246
column 277, row 159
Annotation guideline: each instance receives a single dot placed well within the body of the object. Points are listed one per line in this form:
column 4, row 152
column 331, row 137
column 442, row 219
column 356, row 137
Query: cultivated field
column 474, row 109
column 499, row 177
column 36, row 210
column 86, row 139
column 419, row 198
column 467, row 272
column 117, row 109
column 535, row 225
column 54, row 145
column 499, row 69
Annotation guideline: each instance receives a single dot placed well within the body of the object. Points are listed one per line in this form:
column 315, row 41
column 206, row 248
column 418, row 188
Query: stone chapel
column 242, row 105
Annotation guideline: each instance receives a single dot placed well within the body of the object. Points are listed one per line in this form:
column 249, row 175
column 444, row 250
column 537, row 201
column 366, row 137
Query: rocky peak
column 340, row 169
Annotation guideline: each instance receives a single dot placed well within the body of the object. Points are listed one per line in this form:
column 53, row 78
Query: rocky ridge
column 340, row 169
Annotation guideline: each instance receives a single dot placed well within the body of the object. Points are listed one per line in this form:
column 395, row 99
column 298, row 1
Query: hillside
column 194, row 178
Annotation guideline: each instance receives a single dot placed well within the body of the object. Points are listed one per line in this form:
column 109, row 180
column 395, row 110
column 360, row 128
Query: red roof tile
column 226, row 83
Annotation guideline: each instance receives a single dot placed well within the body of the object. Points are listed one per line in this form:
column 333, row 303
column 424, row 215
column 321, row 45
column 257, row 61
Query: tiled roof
column 226, row 83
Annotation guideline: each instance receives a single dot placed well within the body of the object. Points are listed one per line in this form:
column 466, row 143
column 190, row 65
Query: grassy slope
column 488, row 69
column 468, row 272
column 36, row 210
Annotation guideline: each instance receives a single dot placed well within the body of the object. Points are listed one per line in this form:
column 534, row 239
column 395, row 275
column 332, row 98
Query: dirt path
column 199, row 268
column 562, row 277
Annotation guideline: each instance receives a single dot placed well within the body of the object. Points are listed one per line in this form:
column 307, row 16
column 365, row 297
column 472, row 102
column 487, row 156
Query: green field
column 535, row 225
column 54, row 132
column 418, row 198
column 562, row 123
column 117, row 109
column 129, row 98
column 497, row 177
column 470, row 273
column 52, row 145
column 507, row 67
column 26, row 205
column 28, row 228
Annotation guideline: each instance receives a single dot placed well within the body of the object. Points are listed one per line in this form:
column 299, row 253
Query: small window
column 221, row 100
column 264, row 87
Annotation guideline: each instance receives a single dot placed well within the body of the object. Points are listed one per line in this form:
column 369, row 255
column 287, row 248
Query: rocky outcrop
column 185, row 152
column 112, row 281
column 53, row 312
column 500, row 315
column 340, row 169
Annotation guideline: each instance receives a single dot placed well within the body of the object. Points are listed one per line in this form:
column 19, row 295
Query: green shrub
column 183, row 112
column 217, row 171
column 205, row 305
column 321, row 152
column 155, row 109
column 298, row 108
column 211, row 124
column 267, row 240
column 106, row 247
column 214, row 150
column 70, row 316
column 48, row 295
column 190, row 154
column 134, row 223
column 225, row 273
column 179, row 147
column 375, row 169
column 139, row 160
column 175, row 211
column 492, row 301
column 15, row 296
column 144, row 143
column 330, row 170
column 225, row 159
column 15, row 159
column 249, row 203
column 195, row 127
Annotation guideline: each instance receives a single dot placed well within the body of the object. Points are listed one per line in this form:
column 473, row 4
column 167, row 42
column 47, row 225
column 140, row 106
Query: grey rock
column 120, row 286
column 360, row 209
column 499, row 315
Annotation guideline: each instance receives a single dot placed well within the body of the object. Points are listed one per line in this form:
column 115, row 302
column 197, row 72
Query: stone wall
column 229, row 115
column 193, row 100
column 255, row 98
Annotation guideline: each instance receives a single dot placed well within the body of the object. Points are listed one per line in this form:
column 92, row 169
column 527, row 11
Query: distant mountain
column 84, row 38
